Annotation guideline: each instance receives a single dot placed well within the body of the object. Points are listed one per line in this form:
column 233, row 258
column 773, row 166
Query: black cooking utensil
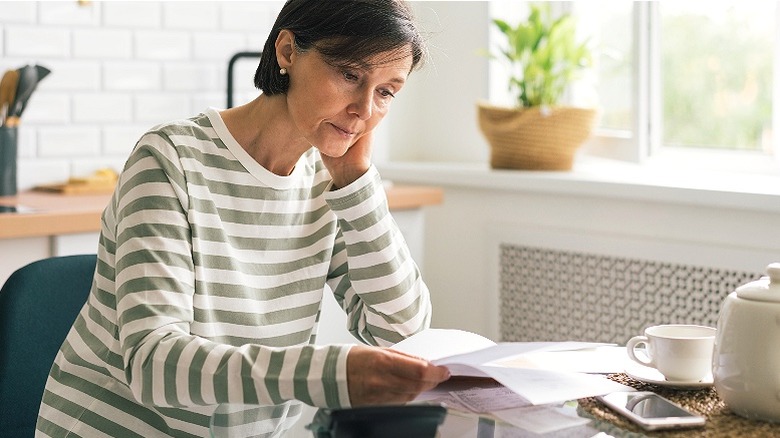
column 29, row 76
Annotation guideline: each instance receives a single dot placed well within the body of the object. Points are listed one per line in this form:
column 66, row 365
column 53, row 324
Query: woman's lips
column 343, row 132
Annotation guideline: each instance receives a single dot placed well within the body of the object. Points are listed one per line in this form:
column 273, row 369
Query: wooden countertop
column 36, row 214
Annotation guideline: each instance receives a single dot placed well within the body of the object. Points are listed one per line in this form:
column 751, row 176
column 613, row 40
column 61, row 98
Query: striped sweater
column 207, row 293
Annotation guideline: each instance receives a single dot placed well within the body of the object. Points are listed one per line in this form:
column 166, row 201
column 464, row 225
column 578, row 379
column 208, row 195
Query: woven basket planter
column 532, row 139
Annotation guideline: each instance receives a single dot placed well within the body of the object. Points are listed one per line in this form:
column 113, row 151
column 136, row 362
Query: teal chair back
column 38, row 304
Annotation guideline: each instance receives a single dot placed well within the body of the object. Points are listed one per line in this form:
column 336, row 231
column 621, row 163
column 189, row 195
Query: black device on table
column 408, row 421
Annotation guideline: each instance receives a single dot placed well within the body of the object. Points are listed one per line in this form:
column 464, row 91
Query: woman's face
column 333, row 107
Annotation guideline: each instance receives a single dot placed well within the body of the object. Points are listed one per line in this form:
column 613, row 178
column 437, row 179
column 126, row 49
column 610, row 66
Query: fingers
column 354, row 162
column 415, row 368
column 382, row 376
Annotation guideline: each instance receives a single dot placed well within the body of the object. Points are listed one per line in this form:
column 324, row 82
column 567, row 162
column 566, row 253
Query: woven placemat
column 720, row 421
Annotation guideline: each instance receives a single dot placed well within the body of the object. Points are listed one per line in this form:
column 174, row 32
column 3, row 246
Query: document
column 598, row 360
column 469, row 354
column 486, row 400
column 489, row 397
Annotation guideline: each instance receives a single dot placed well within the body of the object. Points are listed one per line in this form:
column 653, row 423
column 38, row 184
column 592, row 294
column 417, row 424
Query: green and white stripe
column 208, row 290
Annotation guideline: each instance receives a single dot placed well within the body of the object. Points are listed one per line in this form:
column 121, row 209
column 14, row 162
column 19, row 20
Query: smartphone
column 651, row 411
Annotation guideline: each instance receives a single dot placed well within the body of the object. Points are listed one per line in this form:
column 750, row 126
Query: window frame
column 644, row 143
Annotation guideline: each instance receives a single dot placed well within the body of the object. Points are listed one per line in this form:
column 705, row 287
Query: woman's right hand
column 378, row 376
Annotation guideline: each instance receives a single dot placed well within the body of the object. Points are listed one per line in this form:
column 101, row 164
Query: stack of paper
column 540, row 372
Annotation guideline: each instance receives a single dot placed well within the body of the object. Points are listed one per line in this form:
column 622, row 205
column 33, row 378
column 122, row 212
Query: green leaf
column 543, row 55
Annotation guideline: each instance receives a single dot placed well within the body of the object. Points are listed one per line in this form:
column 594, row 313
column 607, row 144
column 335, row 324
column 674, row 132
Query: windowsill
column 604, row 178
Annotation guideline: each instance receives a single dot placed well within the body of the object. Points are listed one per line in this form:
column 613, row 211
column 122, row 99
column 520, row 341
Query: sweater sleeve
column 372, row 274
column 155, row 283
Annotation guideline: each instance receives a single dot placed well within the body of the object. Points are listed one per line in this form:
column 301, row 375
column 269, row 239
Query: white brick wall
column 118, row 68
column 132, row 14
column 18, row 12
column 37, row 41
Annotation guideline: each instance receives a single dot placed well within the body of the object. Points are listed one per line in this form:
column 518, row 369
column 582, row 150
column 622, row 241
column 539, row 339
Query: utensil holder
column 8, row 153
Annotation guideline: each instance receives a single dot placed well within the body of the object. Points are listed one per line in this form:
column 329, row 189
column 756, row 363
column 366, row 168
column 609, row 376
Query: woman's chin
column 333, row 152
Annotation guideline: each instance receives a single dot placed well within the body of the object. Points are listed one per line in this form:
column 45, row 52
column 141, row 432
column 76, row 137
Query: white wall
column 705, row 226
column 118, row 68
column 434, row 117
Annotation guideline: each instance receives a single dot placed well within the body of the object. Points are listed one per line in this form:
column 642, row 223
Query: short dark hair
column 344, row 32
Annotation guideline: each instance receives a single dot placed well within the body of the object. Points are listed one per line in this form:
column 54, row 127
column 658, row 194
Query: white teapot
column 746, row 360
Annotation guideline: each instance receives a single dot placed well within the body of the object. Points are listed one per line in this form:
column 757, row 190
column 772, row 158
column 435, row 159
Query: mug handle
column 631, row 346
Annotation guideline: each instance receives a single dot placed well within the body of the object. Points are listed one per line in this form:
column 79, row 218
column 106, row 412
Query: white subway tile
column 158, row 108
column 102, row 107
column 34, row 172
column 68, row 141
column 69, row 13
column 240, row 98
column 102, row 43
column 163, row 45
column 218, row 46
column 32, row 42
column 191, row 77
column 190, row 15
column 135, row 75
column 18, row 12
column 47, row 107
column 120, row 139
column 256, row 41
column 243, row 15
column 204, row 101
column 133, row 14
column 26, row 142
column 71, row 75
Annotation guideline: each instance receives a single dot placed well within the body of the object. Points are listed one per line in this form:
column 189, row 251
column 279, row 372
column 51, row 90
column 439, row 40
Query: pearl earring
column 282, row 71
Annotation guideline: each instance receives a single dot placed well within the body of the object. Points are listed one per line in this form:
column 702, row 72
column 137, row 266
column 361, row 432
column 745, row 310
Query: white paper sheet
column 541, row 387
column 435, row 344
column 468, row 354
column 599, row 360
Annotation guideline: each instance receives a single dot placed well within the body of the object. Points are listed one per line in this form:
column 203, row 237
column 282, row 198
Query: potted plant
column 544, row 58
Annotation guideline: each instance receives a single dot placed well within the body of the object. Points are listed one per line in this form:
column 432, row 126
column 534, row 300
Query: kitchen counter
column 33, row 214
column 44, row 214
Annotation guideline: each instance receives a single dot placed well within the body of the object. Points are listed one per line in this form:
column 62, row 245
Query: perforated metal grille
column 551, row 295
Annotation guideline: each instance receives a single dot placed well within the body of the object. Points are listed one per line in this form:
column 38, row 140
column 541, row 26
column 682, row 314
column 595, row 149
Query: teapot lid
column 765, row 289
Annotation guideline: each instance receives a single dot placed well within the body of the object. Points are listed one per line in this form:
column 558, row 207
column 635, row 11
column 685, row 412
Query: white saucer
column 653, row 376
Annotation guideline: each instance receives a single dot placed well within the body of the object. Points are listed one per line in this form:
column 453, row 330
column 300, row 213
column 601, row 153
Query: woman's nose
column 362, row 105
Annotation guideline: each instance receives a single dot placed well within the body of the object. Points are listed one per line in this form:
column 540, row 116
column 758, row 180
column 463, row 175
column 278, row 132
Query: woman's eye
column 386, row 93
column 352, row 77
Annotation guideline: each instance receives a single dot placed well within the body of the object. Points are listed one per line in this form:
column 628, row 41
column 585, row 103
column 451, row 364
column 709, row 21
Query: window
column 681, row 81
column 716, row 71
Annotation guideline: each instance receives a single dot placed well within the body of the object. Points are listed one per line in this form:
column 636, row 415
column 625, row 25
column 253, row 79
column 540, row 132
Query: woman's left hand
column 381, row 376
column 353, row 164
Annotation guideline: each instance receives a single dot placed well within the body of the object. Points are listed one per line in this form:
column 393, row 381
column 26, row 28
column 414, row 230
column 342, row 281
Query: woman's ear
column 285, row 47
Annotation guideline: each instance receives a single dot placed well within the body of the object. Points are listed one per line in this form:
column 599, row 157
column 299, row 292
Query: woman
column 224, row 230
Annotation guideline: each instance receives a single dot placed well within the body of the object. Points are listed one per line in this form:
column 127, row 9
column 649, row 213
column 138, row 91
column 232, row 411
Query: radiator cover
column 553, row 295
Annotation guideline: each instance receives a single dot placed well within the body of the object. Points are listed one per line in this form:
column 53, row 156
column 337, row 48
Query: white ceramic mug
column 681, row 352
